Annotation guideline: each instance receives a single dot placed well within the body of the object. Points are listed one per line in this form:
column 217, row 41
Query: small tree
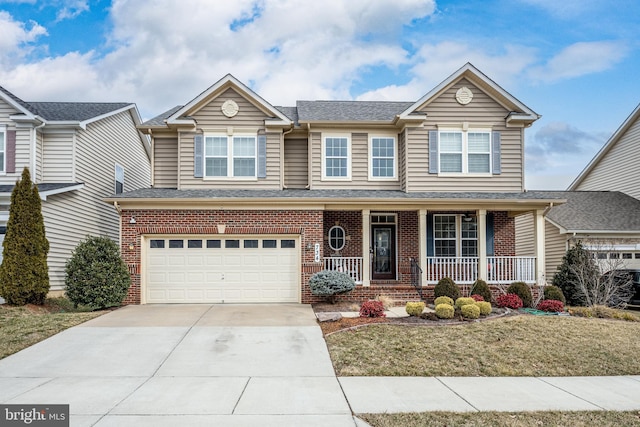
column 577, row 266
column 24, row 274
column 96, row 275
column 613, row 288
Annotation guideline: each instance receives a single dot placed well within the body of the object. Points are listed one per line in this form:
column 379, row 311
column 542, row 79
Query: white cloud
column 579, row 59
column 69, row 9
column 435, row 62
column 16, row 36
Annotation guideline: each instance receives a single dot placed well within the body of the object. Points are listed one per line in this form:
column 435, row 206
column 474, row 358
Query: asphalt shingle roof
column 160, row 118
column 169, row 193
column 596, row 211
column 350, row 110
column 42, row 187
column 67, row 111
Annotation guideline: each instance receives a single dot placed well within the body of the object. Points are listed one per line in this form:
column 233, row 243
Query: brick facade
column 312, row 226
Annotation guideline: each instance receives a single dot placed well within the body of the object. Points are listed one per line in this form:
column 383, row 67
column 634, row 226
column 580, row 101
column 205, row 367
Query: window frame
column 344, row 238
column 394, row 177
column 458, row 238
column 3, row 150
column 348, row 157
column 465, row 153
column 230, row 156
column 115, row 178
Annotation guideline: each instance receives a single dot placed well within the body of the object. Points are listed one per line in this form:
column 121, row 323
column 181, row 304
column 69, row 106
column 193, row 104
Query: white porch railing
column 460, row 269
column 464, row 270
column 349, row 265
column 506, row 269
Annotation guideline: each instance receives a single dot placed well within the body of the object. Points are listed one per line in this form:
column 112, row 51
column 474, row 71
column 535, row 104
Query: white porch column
column 366, row 243
column 538, row 229
column 422, row 239
column 481, row 215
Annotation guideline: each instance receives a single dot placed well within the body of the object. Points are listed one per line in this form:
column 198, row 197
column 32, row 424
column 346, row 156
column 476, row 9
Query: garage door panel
column 222, row 272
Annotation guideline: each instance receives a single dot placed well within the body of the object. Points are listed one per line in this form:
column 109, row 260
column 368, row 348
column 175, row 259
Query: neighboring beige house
column 248, row 200
column 602, row 209
column 78, row 153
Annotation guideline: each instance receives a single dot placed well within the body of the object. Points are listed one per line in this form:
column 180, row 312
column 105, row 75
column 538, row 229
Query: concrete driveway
column 168, row 365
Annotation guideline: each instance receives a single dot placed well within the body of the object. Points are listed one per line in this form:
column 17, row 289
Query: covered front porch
column 421, row 246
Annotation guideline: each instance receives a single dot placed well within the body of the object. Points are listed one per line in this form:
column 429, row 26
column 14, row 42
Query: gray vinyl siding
column 71, row 216
column 296, row 164
column 525, row 236
column 617, row 169
column 57, row 157
column 165, row 162
column 249, row 117
column 39, row 149
column 555, row 248
column 359, row 164
column 482, row 111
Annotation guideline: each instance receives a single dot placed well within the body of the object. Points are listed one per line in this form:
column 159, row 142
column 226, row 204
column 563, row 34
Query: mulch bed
column 355, row 322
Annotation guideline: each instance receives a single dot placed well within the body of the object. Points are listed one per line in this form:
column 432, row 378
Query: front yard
column 522, row 345
column 21, row 327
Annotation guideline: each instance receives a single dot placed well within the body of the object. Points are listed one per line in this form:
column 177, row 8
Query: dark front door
column 384, row 252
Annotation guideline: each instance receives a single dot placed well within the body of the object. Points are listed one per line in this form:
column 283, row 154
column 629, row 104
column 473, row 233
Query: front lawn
column 523, row 345
column 21, row 327
column 519, row 419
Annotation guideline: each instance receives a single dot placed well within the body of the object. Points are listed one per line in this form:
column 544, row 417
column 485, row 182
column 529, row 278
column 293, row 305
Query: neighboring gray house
column 615, row 167
column 607, row 221
column 78, row 153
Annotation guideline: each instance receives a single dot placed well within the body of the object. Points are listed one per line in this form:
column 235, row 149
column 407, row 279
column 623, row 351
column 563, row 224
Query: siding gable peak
column 222, row 85
column 519, row 114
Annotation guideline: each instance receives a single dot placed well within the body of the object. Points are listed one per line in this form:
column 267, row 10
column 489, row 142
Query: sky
column 574, row 62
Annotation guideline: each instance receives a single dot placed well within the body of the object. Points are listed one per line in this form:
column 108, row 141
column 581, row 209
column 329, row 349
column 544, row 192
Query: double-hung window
column 383, row 158
column 465, row 151
column 119, row 179
column 336, row 157
column 3, row 149
column 230, row 156
column 455, row 236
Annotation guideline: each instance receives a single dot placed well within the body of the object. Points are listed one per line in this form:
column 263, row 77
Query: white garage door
column 235, row 269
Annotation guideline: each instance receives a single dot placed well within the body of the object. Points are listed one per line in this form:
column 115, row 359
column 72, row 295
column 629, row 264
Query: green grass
column 513, row 346
column 21, row 327
column 519, row 419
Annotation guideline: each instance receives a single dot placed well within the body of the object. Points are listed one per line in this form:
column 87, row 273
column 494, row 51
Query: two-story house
column 77, row 153
column 248, row 200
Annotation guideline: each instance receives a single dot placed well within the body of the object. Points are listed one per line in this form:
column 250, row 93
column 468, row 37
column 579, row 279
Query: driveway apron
column 196, row 364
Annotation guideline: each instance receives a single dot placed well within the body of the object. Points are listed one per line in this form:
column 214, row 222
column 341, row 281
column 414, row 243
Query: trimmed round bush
column 461, row 302
column 480, row 287
column 509, row 301
column 551, row 305
column 470, row 311
column 329, row 283
column 372, row 308
column 443, row 300
column 523, row 291
column 554, row 293
column 477, row 298
column 96, row 275
column 485, row 307
column 444, row 311
column 447, row 287
column 414, row 308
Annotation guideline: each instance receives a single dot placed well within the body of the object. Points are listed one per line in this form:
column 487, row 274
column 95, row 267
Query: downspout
column 33, row 150
column 284, row 187
column 309, row 156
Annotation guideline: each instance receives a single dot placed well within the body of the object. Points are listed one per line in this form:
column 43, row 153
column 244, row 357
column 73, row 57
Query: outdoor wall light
column 132, row 246
column 309, row 246
column 132, row 220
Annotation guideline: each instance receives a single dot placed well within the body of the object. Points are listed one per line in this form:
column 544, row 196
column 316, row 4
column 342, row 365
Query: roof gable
column 606, row 148
column 519, row 112
column 18, row 104
column 182, row 115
